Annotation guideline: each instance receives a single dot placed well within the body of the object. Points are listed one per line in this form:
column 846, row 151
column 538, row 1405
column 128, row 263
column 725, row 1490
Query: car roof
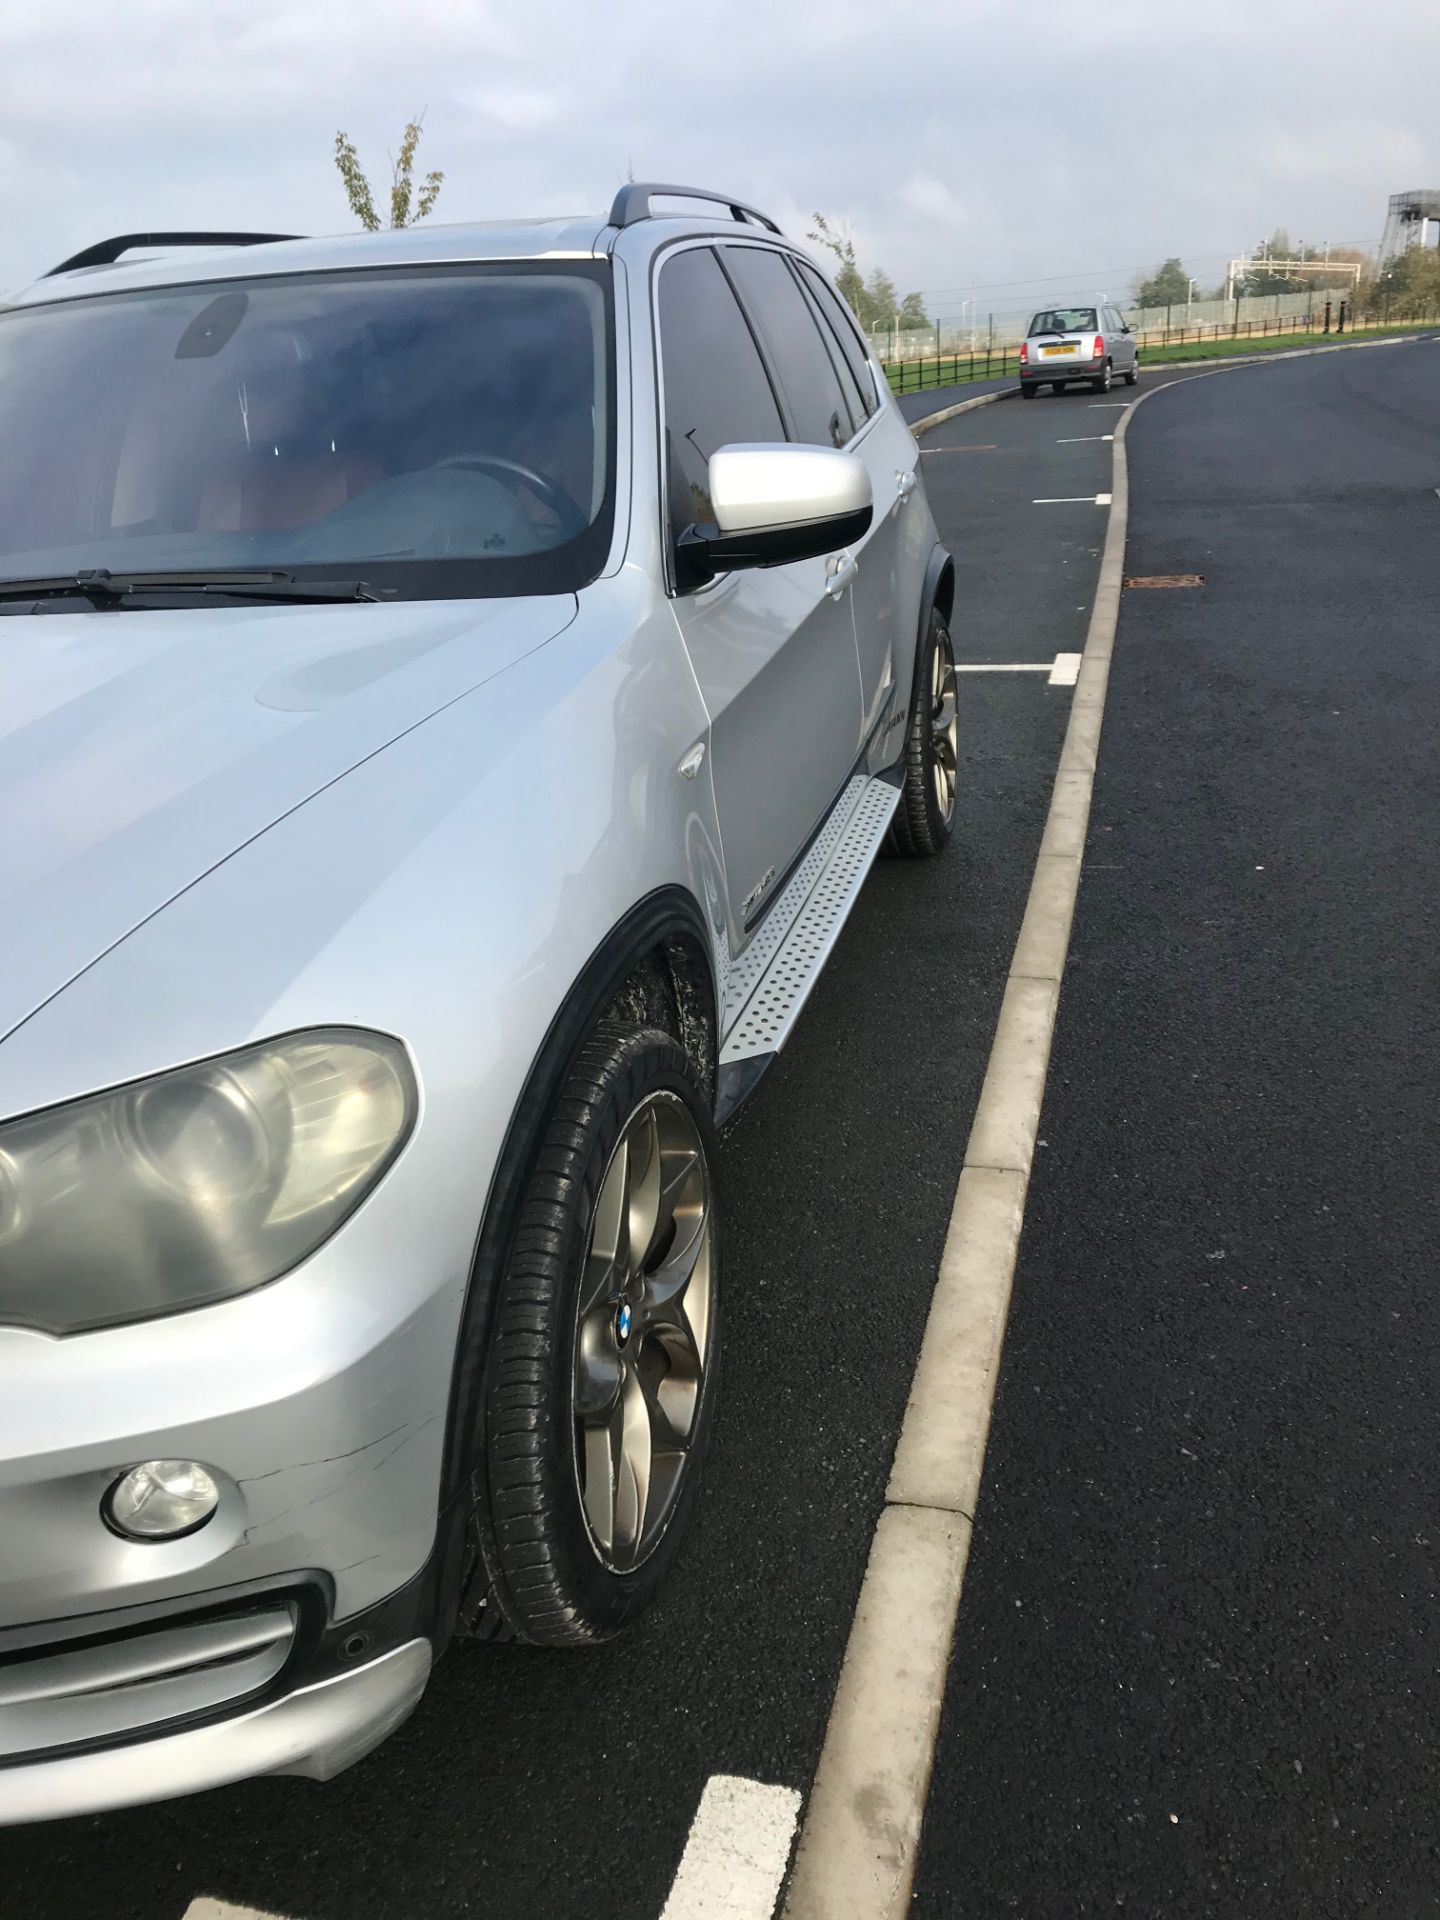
column 567, row 237
column 570, row 237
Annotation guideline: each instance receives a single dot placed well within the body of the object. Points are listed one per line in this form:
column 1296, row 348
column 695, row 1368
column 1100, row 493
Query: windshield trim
column 562, row 569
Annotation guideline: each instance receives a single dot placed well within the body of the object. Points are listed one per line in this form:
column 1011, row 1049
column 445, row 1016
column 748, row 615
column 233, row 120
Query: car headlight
column 198, row 1184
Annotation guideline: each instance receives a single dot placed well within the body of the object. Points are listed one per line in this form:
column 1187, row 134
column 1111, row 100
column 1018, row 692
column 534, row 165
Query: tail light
column 1099, row 347
column 1024, row 353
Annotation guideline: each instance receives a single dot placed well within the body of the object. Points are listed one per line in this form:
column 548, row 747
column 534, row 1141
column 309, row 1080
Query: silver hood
column 140, row 749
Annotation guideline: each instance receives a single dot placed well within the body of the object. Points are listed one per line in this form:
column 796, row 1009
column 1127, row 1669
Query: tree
column 1409, row 287
column 405, row 209
column 874, row 302
column 882, row 302
column 848, row 277
column 1168, row 286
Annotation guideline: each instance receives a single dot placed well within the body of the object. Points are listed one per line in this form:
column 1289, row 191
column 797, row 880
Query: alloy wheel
column 642, row 1331
column 944, row 724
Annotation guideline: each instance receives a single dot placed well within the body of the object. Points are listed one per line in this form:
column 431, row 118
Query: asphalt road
column 1195, row 1667
column 544, row 1786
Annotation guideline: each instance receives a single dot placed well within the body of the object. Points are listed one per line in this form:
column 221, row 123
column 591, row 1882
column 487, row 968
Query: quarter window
column 808, row 381
column 716, row 387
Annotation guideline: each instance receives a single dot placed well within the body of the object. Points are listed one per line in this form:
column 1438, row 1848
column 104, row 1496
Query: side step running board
column 771, row 980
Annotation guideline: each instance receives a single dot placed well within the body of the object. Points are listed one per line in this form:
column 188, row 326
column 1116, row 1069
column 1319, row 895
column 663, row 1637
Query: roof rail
column 632, row 203
column 106, row 252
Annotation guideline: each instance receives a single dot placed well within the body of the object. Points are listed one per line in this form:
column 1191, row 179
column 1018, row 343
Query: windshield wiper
column 104, row 588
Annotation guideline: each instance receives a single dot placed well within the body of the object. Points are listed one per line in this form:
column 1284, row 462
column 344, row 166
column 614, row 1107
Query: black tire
column 1029, row 389
column 1103, row 384
column 921, row 824
column 548, row 1580
column 1133, row 373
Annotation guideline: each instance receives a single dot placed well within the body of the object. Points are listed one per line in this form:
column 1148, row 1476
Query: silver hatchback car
column 1092, row 344
column 462, row 679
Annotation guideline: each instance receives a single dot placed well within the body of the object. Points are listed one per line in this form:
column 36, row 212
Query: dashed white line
column 1074, row 500
column 1066, row 670
column 1121, row 404
column 1083, row 439
column 737, row 1852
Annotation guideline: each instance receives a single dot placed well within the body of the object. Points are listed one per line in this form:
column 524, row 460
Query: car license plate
column 1050, row 353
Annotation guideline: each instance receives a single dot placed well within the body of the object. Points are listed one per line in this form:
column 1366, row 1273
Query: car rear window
column 1063, row 320
column 791, row 333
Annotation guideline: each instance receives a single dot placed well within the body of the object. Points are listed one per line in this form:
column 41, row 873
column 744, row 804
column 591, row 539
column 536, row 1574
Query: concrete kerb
column 860, row 1839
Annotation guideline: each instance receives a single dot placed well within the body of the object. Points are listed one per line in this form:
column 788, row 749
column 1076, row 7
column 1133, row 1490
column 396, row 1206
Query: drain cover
column 1164, row 579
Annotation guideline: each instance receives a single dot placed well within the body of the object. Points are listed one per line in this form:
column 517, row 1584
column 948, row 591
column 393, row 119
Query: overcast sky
column 966, row 155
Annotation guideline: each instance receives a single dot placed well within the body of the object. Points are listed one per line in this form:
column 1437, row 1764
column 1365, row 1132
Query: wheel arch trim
column 664, row 917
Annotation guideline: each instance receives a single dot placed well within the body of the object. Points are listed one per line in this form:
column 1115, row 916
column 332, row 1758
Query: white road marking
column 1063, row 669
column 737, row 1852
column 222, row 1910
column 1074, row 500
column 1083, row 439
column 1122, row 404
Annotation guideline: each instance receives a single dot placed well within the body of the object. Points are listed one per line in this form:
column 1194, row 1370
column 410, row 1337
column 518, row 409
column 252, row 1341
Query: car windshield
column 1063, row 320
column 438, row 432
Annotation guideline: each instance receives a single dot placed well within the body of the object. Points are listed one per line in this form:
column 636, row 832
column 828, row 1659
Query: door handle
column 840, row 572
column 904, row 484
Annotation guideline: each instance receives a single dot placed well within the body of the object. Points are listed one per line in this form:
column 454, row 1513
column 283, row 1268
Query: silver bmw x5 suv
column 454, row 683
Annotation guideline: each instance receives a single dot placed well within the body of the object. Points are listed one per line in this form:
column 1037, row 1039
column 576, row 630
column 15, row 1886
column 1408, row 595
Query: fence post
column 1326, row 327
column 1340, row 328
column 1235, row 328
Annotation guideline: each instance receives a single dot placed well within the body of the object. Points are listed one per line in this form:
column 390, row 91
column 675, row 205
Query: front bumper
column 316, row 1731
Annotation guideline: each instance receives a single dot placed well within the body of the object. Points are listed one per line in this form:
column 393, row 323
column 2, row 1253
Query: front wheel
column 925, row 818
column 601, row 1376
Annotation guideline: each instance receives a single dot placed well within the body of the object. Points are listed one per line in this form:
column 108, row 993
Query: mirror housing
column 773, row 504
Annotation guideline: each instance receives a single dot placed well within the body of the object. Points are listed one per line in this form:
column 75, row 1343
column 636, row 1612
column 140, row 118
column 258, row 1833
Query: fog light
column 160, row 1500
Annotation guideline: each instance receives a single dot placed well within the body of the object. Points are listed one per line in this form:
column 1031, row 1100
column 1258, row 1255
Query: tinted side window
column 818, row 413
column 844, row 328
column 716, row 388
column 841, row 365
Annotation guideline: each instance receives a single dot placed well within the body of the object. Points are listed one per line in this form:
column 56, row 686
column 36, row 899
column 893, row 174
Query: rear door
column 772, row 648
column 892, row 573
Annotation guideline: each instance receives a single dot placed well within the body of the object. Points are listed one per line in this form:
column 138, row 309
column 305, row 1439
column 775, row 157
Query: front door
column 773, row 649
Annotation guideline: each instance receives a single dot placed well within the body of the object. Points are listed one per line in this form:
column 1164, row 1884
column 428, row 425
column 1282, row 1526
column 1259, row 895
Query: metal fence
column 1156, row 329
column 977, row 331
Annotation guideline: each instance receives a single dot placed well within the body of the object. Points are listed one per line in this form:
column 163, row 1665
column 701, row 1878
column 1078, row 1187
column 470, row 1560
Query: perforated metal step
column 772, row 979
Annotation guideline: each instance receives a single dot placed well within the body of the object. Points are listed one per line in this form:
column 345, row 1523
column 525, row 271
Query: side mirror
column 774, row 504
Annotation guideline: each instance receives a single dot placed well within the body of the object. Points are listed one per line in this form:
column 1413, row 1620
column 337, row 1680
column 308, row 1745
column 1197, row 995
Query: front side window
column 716, row 389
column 437, row 431
column 792, row 338
column 1063, row 320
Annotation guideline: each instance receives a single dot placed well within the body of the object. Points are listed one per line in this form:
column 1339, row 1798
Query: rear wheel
column 925, row 818
column 1134, row 372
column 601, row 1375
column 1029, row 389
column 1102, row 385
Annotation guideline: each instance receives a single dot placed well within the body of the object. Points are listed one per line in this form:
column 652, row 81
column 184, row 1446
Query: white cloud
column 520, row 109
column 964, row 163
